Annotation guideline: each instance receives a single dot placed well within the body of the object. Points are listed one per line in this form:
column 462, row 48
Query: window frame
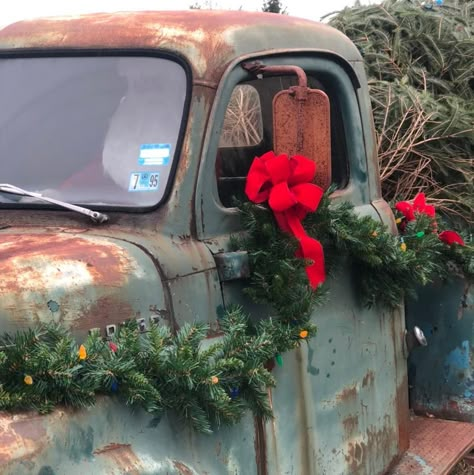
column 217, row 219
column 338, row 148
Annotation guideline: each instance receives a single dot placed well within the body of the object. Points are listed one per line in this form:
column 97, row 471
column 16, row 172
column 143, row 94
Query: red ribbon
column 286, row 184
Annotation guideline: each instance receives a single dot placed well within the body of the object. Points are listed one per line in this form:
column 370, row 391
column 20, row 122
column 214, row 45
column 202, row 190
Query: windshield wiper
column 94, row 215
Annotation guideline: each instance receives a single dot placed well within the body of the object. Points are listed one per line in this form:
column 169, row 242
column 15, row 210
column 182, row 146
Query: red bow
column 419, row 206
column 286, row 184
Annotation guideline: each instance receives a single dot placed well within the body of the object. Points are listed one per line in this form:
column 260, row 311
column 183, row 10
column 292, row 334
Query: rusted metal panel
column 442, row 374
column 436, row 446
column 209, row 40
column 80, row 281
column 309, row 122
column 111, row 439
column 339, row 402
column 401, row 396
column 337, row 399
column 197, row 298
column 301, row 120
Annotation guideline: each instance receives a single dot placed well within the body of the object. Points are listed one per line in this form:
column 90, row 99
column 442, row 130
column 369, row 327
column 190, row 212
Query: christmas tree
column 418, row 57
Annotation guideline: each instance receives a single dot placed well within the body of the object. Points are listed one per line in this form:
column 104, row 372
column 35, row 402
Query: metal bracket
column 232, row 265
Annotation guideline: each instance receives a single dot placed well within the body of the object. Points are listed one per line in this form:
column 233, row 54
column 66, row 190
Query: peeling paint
column 459, row 358
column 442, row 374
column 152, row 265
column 79, row 281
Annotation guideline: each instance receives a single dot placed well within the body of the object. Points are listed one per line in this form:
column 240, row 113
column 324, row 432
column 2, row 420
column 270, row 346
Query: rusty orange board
column 436, row 445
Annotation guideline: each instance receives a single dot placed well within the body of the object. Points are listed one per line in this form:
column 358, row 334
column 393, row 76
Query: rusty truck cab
column 138, row 117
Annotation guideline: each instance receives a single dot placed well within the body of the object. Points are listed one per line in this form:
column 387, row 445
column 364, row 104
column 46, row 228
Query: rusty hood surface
column 80, row 281
column 208, row 40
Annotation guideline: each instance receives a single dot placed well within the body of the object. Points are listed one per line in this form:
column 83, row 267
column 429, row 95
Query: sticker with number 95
column 144, row 181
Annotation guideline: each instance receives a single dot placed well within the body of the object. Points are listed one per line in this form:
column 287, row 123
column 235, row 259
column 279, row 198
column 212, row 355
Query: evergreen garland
column 387, row 271
column 156, row 370
column 210, row 385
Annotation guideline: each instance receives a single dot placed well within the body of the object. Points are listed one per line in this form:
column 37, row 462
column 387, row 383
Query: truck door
column 340, row 403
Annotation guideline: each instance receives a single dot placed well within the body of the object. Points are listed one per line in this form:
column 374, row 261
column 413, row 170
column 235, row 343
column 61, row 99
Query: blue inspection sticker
column 144, row 181
column 155, row 154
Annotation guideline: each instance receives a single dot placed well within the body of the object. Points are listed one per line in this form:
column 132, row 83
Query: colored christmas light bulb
column 403, row 246
column 82, row 352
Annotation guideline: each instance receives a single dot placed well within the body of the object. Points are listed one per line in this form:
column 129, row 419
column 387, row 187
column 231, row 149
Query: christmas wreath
column 294, row 237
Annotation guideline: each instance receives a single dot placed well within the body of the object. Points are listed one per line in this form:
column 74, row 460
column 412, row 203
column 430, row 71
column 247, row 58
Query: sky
column 11, row 11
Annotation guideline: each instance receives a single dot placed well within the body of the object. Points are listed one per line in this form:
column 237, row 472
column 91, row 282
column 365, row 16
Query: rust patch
column 260, row 446
column 105, row 262
column 436, row 444
column 351, row 424
column 355, row 456
column 403, row 416
column 401, row 396
column 9, row 441
column 205, row 37
column 214, row 331
column 453, row 405
column 111, row 446
column 182, row 468
column 368, row 379
column 347, row 394
column 69, row 279
column 29, row 429
column 21, row 440
column 105, row 311
column 375, row 450
column 122, row 457
column 297, row 114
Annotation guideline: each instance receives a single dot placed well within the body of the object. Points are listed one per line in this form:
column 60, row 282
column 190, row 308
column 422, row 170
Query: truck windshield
column 90, row 130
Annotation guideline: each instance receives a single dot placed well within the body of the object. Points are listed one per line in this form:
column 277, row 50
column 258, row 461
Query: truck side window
column 247, row 132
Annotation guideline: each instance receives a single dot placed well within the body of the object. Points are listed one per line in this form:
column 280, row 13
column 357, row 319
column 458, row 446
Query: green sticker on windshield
column 144, row 181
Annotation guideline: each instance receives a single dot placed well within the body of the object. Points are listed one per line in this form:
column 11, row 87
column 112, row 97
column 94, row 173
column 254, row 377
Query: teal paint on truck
column 442, row 377
column 341, row 402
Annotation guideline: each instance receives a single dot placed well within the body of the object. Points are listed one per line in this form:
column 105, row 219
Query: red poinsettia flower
column 418, row 206
column 451, row 237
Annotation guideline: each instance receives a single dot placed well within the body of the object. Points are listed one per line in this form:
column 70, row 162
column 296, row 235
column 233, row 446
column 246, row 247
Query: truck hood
column 79, row 280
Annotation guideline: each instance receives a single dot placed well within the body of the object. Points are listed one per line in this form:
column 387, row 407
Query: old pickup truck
column 123, row 143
